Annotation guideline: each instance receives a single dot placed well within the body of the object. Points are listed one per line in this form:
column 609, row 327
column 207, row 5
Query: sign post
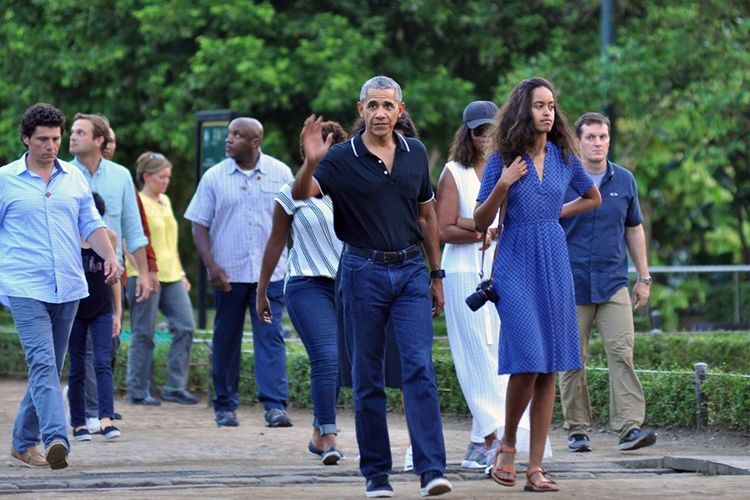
column 211, row 134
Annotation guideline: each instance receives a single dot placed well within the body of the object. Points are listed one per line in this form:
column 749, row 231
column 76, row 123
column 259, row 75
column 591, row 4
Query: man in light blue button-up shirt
column 232, row 214
column 115, row 184
column 46, row 208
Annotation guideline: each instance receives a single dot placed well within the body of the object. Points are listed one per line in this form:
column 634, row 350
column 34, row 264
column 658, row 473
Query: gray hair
column 380, row 82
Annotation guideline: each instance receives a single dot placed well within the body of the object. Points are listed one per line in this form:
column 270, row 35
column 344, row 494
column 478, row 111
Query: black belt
column 386, row 257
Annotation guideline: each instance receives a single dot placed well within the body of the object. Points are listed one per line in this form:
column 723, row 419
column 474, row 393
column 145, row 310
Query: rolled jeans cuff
column 327, row 429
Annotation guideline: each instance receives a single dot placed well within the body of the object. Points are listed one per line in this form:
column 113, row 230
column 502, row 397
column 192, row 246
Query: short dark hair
column 99, row 202
column 100, row 125
column 41, row 115
column 588, row 119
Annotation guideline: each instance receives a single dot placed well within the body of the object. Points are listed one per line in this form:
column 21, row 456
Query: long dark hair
column 515, row 134
column 463, row 150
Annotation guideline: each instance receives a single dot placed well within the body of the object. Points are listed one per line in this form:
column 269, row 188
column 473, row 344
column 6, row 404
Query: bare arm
column 315, row 149
column 100, row 243
column 590, row 200
column 451, row 227
column 116, row 295
column 635, row 237
column 143, row 285
column 216, row 274
column 282, row 222
column 429, row 225
column 486, row 211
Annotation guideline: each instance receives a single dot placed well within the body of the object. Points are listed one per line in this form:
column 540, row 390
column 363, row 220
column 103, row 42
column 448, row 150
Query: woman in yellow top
column 153, row 171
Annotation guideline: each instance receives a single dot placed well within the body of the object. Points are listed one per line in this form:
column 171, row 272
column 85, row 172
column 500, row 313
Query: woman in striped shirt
column 310, row 297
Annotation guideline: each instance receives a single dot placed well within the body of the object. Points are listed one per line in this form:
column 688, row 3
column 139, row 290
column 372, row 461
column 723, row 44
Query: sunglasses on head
column 480, row 130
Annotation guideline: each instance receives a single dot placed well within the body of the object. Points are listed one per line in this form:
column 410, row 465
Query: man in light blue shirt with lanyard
column 46, row 208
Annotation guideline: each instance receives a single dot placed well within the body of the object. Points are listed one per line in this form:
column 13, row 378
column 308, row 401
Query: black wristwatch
column 437, row 273
column 646, row 280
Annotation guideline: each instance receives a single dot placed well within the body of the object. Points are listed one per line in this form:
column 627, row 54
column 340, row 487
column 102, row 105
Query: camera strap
column 500, row 227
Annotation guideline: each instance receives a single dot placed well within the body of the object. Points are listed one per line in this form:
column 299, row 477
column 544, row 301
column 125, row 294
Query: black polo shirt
column 372, row 208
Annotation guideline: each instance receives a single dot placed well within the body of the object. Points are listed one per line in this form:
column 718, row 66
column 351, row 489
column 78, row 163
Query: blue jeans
column 373, row 294
column 268, row 345
column 43, row 330
column 174, row 302
column 101, row 341
column 311, row 304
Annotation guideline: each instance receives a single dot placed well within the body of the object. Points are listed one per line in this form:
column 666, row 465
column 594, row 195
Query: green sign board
column 213, row 136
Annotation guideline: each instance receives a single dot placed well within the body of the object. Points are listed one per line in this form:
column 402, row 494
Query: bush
column 670, row 397
column 721, row 350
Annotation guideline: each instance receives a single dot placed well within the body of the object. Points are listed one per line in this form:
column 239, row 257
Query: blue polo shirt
column 596, row 239
column 373, row 208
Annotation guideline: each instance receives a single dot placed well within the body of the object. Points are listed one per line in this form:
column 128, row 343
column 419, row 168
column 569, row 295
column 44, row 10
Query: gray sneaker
column 476, row 456
column 276, row 417
column 635, row 439
column 579, row 443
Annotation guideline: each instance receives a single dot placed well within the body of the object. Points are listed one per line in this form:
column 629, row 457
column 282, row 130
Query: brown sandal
column 507, row 469
column 543, row 486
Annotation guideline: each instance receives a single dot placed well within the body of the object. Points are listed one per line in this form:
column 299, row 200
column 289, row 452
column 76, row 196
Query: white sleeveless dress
column 473, row 335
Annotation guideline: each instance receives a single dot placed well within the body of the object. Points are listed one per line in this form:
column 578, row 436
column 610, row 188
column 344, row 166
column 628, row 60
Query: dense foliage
column 676, row 82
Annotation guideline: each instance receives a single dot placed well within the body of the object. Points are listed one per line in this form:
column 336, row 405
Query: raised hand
column 311, row 137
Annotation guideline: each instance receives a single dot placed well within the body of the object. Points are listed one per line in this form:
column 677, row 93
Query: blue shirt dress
column 531, row 272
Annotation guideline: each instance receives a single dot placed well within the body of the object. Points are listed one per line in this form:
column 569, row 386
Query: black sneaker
column 637, row 438
column 226, row 418
column 433, row 482
column 178, row 396
column 579, row 443
column 378, row 487
column 82, row 434
column 110, row 432
column 276, row 417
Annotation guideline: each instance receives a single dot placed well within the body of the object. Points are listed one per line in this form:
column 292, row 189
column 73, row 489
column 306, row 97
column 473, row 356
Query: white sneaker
column 93, row 425
column 408, row 460
column 65, row 403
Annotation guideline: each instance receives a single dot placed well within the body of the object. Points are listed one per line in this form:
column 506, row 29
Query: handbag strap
column 500, row 227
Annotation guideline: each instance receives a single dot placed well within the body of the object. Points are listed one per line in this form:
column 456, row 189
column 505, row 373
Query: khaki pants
column 627, row 407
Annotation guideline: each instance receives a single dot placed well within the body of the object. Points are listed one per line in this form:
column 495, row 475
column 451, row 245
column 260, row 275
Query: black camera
column 483, row 293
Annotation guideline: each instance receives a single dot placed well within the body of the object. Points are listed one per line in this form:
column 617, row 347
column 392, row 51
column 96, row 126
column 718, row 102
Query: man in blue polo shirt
column 597, row 242
column 383, row 210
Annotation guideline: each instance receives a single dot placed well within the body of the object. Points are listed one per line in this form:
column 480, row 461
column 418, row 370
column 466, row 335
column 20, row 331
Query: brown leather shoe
column 33, row 457
column 57, row 454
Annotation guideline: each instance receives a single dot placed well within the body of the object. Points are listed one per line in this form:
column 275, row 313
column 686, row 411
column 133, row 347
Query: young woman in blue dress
column 532, row 164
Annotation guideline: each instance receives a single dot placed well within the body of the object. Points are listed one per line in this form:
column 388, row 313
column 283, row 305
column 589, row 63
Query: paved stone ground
column 177, row 451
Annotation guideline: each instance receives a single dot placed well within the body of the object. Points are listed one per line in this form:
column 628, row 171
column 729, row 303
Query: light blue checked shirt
column 237, row 208
column 114, row 183
column 40, row 232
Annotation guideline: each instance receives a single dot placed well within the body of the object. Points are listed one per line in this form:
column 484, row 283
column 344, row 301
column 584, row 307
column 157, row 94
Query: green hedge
column 727, row 351
column 670, row 398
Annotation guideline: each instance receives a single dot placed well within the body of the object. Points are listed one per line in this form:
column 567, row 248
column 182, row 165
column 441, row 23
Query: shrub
column 670, row 398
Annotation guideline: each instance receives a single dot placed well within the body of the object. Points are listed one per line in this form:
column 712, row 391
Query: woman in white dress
column 473, row 335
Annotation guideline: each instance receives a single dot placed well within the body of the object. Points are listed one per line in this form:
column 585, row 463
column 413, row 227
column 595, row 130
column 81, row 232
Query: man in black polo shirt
column 383, row 210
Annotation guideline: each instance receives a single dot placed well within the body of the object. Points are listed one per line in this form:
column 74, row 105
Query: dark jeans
column 310, row 302
column 374, row 293
column 268, row 345
column 100, row 329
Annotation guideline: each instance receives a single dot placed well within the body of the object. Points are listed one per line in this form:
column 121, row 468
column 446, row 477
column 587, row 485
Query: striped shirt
column 237, row 209
column 40, row 232
column 315, row 249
